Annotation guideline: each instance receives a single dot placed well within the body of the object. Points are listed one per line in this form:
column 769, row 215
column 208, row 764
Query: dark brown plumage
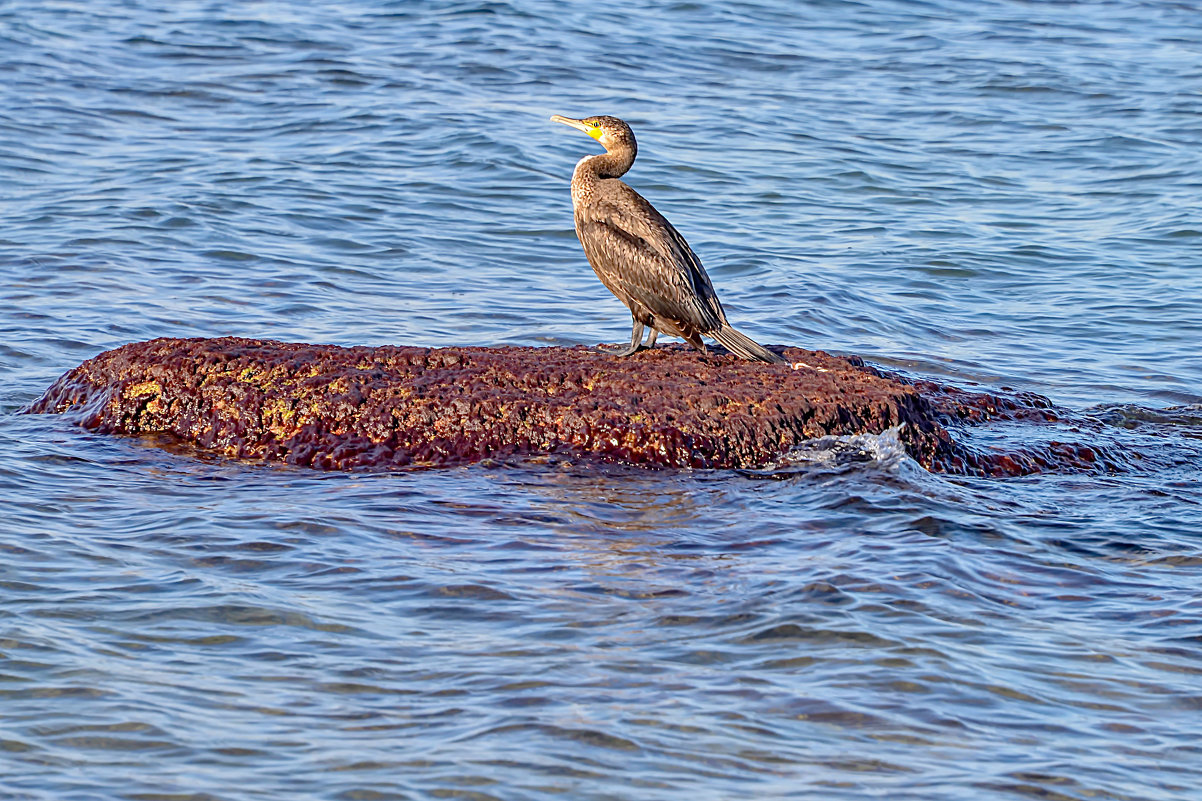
column 639, row 256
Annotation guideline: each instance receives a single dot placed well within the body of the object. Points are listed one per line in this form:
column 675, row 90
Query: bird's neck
column 591, row 169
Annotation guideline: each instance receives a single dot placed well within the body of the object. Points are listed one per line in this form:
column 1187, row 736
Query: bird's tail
column 745, row 346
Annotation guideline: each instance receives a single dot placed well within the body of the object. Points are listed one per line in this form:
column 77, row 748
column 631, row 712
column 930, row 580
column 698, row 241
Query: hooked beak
column 579, row 125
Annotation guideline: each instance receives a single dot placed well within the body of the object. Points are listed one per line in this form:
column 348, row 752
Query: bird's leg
column 636, row 336
column 650, row 343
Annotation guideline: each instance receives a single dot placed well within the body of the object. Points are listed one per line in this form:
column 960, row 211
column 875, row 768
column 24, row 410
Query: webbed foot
column 619, row 350
column 636, row 337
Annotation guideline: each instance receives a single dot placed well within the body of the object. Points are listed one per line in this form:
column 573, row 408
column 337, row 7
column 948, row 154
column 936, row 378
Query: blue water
column 991, row 194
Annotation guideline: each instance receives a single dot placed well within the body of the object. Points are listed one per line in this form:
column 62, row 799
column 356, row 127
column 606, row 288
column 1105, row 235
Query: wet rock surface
column 330, row 407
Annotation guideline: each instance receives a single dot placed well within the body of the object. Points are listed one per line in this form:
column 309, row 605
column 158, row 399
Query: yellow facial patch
column 595, row 132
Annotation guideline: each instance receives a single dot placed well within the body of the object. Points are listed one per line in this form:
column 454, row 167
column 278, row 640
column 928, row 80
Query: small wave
column 842, row 453
column 1185, row 420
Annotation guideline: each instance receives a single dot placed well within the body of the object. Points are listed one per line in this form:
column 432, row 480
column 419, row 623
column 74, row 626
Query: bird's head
column 611, row 132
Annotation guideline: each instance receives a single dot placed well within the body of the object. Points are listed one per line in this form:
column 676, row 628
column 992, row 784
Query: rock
column 381, row 407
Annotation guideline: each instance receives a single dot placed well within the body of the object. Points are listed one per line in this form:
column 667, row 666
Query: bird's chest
column 582, row 191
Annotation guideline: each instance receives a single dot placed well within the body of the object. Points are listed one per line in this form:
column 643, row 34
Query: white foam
column 884, row 450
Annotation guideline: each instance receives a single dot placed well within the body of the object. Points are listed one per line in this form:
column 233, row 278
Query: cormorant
column 639, row 256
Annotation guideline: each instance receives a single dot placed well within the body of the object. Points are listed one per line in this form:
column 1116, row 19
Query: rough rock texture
column 340, row 408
